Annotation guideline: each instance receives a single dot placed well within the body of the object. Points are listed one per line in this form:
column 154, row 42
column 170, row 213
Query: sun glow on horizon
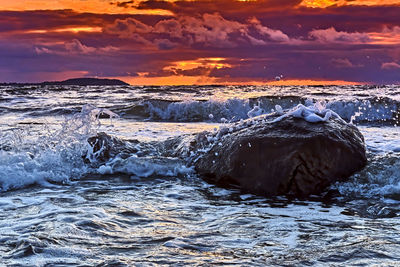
column 167, row 80
column 207, row 63
column 142, row 80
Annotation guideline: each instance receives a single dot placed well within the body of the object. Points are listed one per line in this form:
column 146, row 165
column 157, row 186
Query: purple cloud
column 331, row 35
column 390, row 66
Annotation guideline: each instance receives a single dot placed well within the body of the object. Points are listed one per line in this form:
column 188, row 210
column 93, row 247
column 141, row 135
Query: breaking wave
column 367, row 111
column 60, row 156
column 54, row 157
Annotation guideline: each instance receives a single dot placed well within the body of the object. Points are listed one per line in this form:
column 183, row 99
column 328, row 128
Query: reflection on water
column 114, row 220
column 64, row 213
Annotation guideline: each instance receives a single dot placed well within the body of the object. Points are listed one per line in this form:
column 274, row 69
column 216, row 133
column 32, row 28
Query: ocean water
column 60, row 207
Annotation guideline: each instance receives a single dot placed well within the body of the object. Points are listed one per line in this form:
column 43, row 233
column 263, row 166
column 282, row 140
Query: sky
column 201, row 42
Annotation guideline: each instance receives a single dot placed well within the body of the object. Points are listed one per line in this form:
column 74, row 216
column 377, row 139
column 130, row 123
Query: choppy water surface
column 57, row 210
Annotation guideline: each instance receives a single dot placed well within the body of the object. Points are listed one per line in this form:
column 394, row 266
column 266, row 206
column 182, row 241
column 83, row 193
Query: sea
column 59, row 209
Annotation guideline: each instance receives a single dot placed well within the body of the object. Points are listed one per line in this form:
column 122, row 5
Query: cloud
column 228, row 6
column 331, row 35
column 343, row 63
column 390, row 66
column 73, row 47
column 212, row 30
column 171, row 27
column 327, row 3
column 123, row 4
column 126, row 27
column 258, row 39
column 164, row 44
column 387, row 36
column 274, row 35
column 42, row 50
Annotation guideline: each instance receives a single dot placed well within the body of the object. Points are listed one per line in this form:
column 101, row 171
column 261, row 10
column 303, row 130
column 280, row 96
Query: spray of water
column 50, row 155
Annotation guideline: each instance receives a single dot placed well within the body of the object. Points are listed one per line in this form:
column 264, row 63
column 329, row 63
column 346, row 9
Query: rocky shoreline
column 267, row 155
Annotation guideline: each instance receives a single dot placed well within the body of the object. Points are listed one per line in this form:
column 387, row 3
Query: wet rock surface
column 291, row 157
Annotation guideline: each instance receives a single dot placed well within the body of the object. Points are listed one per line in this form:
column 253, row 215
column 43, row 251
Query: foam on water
column 370, row 110
column 380, row 179
column 55, row 156
column 106, row 220
column 52, row 155
column 143, row 167
column 48, row 157
column 234, row 109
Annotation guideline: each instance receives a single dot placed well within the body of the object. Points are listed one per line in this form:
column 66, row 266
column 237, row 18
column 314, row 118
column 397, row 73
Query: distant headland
column 75, row 81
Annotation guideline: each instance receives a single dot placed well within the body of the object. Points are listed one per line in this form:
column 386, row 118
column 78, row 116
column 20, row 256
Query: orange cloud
column 209, row 63
column 328, row 3
column 69, row 29
column 139, row 6
column 90, row 6
column 387, row 36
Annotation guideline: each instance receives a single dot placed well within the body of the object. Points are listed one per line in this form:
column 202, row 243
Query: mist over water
column 58, row 209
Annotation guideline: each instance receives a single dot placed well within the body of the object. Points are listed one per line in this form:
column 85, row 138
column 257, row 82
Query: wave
column 58, row 156
column 51, row 156
column 379, row 179
column 64, row 155
column 366, row 111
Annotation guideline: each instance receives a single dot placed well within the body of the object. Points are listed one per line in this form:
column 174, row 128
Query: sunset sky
column 201, row 42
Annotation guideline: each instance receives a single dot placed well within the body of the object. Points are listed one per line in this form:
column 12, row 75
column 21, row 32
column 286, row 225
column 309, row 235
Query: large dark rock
column 291, row 156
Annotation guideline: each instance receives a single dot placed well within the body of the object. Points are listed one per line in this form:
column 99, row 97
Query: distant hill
column 76, row 81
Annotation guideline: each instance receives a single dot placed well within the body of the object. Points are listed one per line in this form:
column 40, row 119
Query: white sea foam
column 146, row 166
column 56, row 155
column 365, row 110
column 255, row 111
column 379, row 179
column 381, row 176
column 199, row 110
column 51, row 156
column 312, row 113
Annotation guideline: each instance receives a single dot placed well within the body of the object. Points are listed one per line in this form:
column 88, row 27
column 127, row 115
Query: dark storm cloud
column 123, row 4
